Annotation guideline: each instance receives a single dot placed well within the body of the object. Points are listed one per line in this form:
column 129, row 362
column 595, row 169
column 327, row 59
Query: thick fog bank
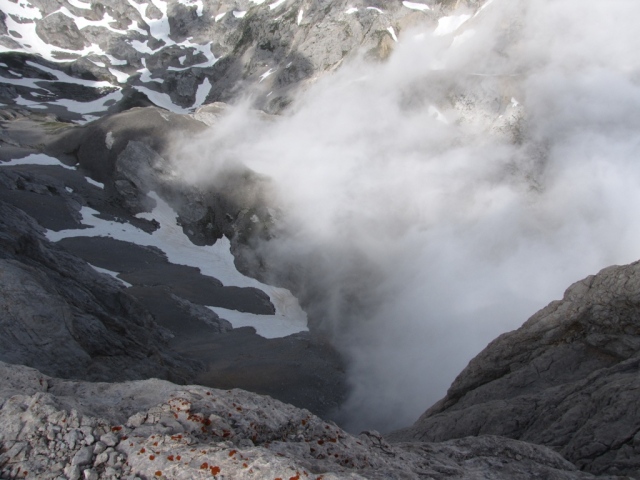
column 440, row 198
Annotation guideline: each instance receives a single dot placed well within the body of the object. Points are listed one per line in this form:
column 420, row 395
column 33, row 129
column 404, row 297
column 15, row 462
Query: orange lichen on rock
column 215, row 470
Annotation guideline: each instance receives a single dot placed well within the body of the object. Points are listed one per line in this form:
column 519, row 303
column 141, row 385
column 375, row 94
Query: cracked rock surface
column 55, row 429
column 568, row 379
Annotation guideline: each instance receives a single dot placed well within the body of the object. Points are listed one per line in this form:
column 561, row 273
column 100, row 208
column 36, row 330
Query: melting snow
column 79, row 4
column 351, row 10
column 111, row 274
column 276, row 4
column 463, row 37
column 201, row 95
column 300, row 13
column 238, row 14
column 94, row 183
column 266, row 74
column 121, row 77
column 161, row 100
column 416, row 6
column 447, row 25
column 376, row 9
column 393, row 33
column 219, row 16
column 63, row 77
column 215, row 261
column 36, row 159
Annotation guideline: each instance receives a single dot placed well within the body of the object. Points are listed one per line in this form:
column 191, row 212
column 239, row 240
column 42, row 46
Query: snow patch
column 393, row 33
column 276, row 4
column 36, row 159
column 447, row 25
column 79, row 4
column 219, row 16
column 351, row 10
column 463, row 37
column 416, row 6
column 300, row 14
column 215, row 261
column 111, row 274
column 121, row 77
column 108, row 140
column 201, row 95
column 238, row 14
column 266, row 74
column 376, row 9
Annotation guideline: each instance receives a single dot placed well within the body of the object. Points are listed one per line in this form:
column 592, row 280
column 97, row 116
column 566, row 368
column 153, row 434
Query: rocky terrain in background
column 181, row 55
column 105, row 90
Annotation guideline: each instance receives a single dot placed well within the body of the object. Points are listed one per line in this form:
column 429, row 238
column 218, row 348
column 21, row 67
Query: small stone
column 109, row 439
column 72, row 438
column 73, row 472
column 101, row 458
column 113, row 459
column 99, row 447
column 112, row 472
column 90, row 474
column 136, row 420
column 83, row 456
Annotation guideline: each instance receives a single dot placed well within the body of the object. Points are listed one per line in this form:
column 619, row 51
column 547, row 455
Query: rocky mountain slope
column 124, row 315
column 568, row 379
column 183, row 54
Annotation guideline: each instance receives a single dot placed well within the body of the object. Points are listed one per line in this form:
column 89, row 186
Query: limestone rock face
column 66, row 319
column 181, row 56
column 568, row 379
column 155, row 429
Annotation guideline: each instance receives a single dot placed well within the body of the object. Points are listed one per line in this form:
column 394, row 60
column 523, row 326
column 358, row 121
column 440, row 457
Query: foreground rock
column 51, row 428
column 568, row 379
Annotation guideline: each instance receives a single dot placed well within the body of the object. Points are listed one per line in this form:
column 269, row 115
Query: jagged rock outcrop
column 51, row 428
column 181, row 56
column 568, row 379
column 61, row 316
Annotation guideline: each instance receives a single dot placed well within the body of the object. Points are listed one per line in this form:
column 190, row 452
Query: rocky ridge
column 181, row 55
column 567, row 379
column 50, row 428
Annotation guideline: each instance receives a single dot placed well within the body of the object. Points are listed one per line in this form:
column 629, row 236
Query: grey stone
column 100, row 447
column 90, row 474
column 109, row 439
column 84, row 456
column 567, row 379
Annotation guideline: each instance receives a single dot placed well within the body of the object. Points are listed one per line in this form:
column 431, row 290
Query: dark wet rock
column 147, row 266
